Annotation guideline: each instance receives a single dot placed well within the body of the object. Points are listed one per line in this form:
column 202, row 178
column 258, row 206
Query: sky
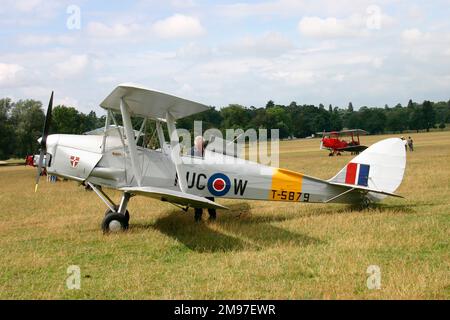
column 221, row 52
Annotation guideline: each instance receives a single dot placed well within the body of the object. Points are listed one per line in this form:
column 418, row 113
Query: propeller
column 43, row 152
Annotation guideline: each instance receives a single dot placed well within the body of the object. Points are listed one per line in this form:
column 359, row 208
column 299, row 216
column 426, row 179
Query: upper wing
column 358, row 131
column 174, row 197
column 344, row 132
column 148, row 103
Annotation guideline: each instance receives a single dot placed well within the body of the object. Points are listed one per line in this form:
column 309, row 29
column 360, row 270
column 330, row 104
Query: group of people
column 409, row 143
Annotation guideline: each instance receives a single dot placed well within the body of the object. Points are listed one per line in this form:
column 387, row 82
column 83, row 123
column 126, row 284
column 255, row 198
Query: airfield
column 256, row 250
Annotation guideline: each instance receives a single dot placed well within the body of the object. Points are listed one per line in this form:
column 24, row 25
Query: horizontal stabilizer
column 360, row 188
column 173, row 196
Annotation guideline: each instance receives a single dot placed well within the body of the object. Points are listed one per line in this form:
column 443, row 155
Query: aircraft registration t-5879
column 116, row 161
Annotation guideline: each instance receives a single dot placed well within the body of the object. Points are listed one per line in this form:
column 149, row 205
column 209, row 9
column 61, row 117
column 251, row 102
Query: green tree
column 7, row 136
column 428, row 115
column 235, row 116
column 67, row 120
column 27, row 118
column 397, row 120
column 415, row 120
column 278, row 118
column 350, row 107
column 270, row 104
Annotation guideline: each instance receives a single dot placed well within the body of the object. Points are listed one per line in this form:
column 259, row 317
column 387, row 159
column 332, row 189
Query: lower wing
column 353, row 148
column 173, row 196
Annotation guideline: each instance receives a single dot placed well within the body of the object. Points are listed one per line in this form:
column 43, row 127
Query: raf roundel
column 219, row 184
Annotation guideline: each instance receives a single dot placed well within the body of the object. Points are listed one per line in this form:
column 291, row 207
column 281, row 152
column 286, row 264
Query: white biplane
column 113, row 159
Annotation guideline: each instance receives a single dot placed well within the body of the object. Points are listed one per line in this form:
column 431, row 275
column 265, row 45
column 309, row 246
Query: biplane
column 118, row 161
column 336, row 143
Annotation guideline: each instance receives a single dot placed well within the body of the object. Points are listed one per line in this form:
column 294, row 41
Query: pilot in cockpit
column 198, row 149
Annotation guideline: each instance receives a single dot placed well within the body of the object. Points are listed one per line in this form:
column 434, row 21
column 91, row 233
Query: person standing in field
column 198, row 150
column 410, row 144
column 405, row 142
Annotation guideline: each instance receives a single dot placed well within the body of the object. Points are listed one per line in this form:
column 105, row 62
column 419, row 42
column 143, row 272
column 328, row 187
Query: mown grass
column 257, row 250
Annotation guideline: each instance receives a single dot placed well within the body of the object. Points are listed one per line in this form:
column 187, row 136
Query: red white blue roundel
column 219, row 184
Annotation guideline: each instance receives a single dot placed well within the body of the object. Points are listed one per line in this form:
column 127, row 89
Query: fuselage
column 83, row 158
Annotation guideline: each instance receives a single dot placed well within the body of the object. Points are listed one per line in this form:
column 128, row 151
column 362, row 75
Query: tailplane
column 378, row 170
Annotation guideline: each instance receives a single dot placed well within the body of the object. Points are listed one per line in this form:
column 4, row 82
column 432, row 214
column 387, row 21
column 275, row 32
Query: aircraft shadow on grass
column 234, row 230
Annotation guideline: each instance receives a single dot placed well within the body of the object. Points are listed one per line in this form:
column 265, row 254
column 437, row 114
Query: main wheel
column 365, row 203
column 114, row 222
column 127, row 214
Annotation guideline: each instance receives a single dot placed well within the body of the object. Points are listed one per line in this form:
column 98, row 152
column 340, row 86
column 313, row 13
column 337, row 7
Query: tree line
column 21, row 122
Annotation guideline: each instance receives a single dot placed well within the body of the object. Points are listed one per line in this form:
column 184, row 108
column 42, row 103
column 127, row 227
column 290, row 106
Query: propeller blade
column 43, row 152
column 48, row 119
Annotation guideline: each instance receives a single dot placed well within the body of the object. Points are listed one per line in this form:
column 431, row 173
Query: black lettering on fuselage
column 201, row 187
column 190, row 184
column 239, row 187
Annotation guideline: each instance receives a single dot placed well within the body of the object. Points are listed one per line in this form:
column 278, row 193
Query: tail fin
column 379, row 168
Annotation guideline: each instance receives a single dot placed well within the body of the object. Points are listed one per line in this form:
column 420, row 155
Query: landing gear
column 114, row 222
column 117, row 217
column 127, row 214
column 365, row 203
column 117, row 220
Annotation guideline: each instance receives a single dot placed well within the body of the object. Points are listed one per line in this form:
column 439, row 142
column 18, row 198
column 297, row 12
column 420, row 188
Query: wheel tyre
column 365, row 204
column 114, row 222
column 127, row 214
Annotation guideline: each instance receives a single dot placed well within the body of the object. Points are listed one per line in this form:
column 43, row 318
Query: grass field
column 257, row 250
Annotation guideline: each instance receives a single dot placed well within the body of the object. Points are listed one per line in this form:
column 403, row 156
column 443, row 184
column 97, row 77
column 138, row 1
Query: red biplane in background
column 335, row 142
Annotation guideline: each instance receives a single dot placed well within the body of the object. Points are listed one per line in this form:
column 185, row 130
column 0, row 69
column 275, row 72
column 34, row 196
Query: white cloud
column 288, row 8
column 412, row 35
column 118, row 30
column 73, row 66
column 183, row 3
column 239, row 61
column 45, row 40
column 27, row 5
column 332, row 27
column 269, row 44
column 178, row 26
column 107, row 79
column 19, row 13
column 241, row 10
column 9, row 74
column 66, row 101
column 193, row 50
column 415, row 12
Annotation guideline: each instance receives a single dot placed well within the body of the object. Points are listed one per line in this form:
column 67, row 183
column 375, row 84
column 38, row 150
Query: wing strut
column 132, row 148
column 175, row 150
